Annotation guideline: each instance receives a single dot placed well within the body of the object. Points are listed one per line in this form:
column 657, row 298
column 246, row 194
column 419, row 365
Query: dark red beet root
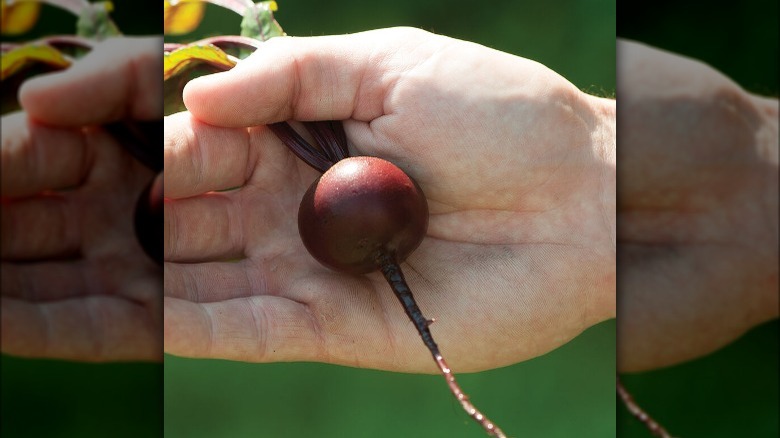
column 360, row 209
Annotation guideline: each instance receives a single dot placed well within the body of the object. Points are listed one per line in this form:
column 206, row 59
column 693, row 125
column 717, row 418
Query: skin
column 695, row 263
column 697, row 209
column 75, row 283
column 519, row 173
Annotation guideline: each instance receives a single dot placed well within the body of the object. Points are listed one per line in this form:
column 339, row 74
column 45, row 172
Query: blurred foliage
column 733, row 392
column 182, row 17
column 132, row 17
column 19, row 17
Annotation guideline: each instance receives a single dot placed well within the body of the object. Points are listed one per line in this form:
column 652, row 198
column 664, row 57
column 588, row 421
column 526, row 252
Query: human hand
column 697, row 209
column 517, row 165
column 75, row 282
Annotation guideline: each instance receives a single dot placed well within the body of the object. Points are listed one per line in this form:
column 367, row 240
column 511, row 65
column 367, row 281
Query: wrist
column 603, row 143
column 767, row 146
column 767, row 135
column 604, row 140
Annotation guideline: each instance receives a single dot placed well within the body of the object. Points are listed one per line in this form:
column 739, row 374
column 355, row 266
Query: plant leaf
column 182, row 16
column 184, row 57
column 16, row 59
column 94, row 21
column 259, row 22
column 19, row 16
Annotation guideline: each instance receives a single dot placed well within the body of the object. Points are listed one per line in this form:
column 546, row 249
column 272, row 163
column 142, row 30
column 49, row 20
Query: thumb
column 313, row 78
column 120, row 78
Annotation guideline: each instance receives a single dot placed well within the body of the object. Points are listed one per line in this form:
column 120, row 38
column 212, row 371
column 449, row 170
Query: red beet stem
column 341, row 137
column 394, row 276
column 640, row 414
column 325, row 135
column 140, row 139
column 300, row 147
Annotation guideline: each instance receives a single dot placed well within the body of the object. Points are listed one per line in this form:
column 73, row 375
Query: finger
column 37, row 158
column 254, row 329
column 200, row 158
column 98, row 328
column 211, row 282
column 119, row 79
column 135, row 279
column 40, row 227
column 318, row 78
column 33, row 282
column 204, row 228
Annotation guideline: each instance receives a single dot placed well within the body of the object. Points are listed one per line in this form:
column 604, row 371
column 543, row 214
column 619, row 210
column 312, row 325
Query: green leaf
column 185, row 57
column 259, row 22
column 94, row 21
column 186, row 63
column 16, row 59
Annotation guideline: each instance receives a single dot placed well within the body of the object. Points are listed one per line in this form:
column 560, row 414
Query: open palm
column 519, row 254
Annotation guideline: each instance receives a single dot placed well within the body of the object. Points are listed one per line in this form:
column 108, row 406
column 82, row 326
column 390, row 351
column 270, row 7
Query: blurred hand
column 517, row 165
column 697, row 209
column 75, row 283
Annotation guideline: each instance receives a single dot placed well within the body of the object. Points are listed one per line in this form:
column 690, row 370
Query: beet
column 362, row 215
column 359, row 210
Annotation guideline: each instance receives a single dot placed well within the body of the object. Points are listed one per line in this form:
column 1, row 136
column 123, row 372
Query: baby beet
column 360, row 209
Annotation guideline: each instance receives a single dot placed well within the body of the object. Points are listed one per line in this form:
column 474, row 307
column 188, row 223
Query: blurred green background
column 734, row 392
column 569, row 392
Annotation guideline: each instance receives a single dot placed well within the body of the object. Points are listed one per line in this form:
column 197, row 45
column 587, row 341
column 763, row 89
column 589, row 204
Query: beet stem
column 300, row 147
column 394, row 276
column 140, row 139
column 341, row 137
column 326, row 137
column 640, row 414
